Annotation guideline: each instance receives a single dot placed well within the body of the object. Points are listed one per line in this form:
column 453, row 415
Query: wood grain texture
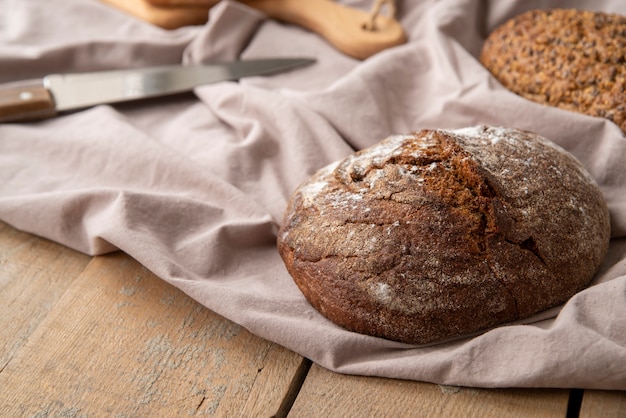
column 121, row 342
column 327, row 394
column 83, row 336
column 605, row 404
column 34, row 274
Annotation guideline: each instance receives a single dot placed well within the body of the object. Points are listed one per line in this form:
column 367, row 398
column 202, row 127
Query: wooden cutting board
column 344, row 27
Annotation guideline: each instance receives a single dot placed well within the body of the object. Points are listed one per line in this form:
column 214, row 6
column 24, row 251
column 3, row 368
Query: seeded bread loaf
column 444, row 233
column 571, row 59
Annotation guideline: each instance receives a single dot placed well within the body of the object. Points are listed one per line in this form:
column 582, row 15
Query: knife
column 57, row 93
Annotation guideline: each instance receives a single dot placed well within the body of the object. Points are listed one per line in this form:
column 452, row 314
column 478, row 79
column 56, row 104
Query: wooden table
column 102, row 336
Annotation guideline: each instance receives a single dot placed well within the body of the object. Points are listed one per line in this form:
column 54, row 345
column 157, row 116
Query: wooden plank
column 605, row 404
column 122, row 342
column 329, row 394
column 34, row 274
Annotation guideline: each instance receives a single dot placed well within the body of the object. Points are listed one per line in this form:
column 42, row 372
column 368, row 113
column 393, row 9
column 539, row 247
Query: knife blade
column 57, row 93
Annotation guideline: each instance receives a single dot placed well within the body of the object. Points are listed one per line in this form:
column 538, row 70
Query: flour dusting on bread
column 442, row 233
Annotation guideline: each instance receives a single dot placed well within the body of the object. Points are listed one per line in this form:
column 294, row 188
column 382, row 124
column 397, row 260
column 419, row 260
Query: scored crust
column 571, row 59
column 443, row 233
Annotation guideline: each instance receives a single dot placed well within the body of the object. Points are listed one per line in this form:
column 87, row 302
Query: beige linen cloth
column 194, row 186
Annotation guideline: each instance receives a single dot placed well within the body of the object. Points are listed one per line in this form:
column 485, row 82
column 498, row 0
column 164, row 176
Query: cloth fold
column 194, row 186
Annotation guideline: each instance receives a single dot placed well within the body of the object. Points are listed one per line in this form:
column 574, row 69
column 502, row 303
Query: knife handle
column 20, row 103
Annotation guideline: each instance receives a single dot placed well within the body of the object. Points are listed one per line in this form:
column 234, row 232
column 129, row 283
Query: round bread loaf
column 444, row 233
column 571, row 59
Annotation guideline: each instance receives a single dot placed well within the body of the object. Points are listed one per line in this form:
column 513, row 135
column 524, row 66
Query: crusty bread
column 444, row 233
column 571, row 59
